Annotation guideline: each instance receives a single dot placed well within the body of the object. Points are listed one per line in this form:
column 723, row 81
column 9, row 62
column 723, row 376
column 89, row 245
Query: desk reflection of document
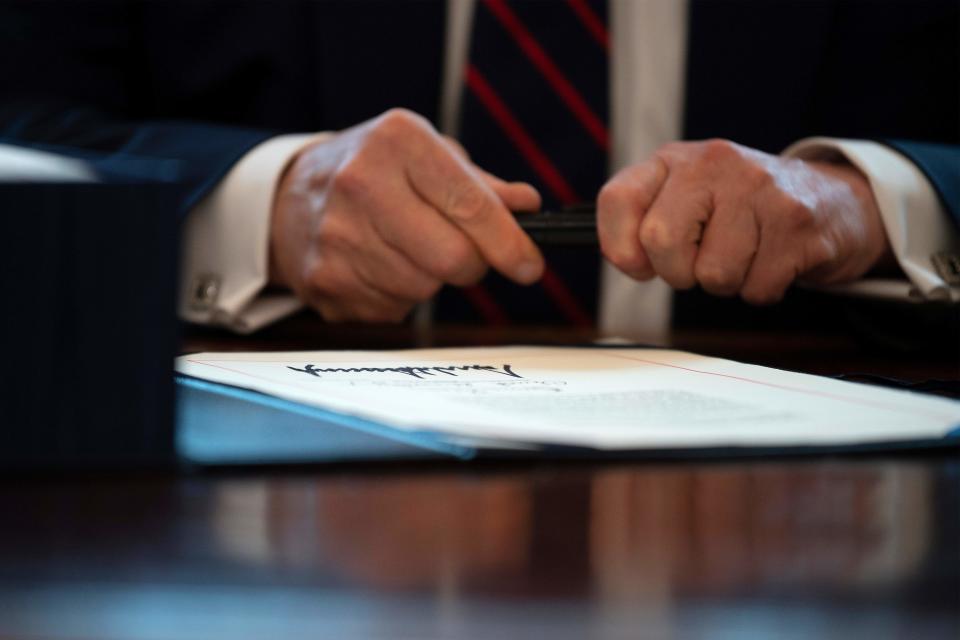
column 600, row 398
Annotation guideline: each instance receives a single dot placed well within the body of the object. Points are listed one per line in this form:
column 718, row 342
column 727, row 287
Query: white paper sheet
column 621, row 398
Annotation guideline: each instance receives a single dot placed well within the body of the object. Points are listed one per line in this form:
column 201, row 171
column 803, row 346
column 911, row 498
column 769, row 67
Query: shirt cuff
column 224, row 263
column 916, row 223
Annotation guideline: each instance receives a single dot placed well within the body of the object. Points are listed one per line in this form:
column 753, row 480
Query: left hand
column 372, row 220
column 738, row 221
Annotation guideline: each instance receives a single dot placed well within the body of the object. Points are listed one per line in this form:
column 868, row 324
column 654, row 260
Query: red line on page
column 832, row 396
column 823, row 394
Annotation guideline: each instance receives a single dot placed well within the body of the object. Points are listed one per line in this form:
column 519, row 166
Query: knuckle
column 719, row 150
column 717, row 278
column 399, row 123
column 755, row 175
column 453, row 262
column 671, row 155
column 350, row 179
column 671, row 150
column 466, row 204
column 397, row 117
column 657, row 236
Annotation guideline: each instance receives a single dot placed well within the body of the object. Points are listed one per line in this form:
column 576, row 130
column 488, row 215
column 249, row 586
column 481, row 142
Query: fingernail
column 528, row 272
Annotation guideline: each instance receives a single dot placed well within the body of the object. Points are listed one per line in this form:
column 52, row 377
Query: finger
column 375, row 303
column 621, row 206
column 673, row 227
column 516, row 196
column 394, row 274
column 772, row 271
column 376, row 307
column 426, row 238
column 519, row 197
column 448, row 183
column 341, row 294
column 726, row 252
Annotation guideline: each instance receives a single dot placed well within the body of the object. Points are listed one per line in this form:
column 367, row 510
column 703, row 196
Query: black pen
column 575, row 225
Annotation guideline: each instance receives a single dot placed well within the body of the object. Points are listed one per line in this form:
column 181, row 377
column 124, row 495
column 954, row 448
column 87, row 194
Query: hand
column 738, row 221
column 370, row 222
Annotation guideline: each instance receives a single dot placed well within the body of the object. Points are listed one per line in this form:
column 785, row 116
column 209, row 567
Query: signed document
column 602, row 398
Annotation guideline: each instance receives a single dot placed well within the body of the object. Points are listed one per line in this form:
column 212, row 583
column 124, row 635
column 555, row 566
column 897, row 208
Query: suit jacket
column 136, row 85
column 181, row 89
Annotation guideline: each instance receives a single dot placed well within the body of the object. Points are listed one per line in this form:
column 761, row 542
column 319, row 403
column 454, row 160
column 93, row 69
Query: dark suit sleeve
column 941, row 164
column 74, row 79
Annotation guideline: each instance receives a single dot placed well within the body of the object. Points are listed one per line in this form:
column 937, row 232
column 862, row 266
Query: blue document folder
column 219, row 424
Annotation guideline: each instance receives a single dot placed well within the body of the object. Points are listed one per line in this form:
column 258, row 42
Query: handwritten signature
column 415, row 372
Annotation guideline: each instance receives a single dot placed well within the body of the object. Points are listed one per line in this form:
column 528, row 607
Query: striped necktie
column 535, row 109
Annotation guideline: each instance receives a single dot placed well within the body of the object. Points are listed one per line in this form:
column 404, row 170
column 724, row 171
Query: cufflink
column 947, row 266
column 204, row 292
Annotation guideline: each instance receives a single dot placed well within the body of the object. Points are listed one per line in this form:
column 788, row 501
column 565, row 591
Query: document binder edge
column 425, row 441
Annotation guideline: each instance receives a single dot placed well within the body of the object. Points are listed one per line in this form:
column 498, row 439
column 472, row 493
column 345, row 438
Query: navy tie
column 535, row 109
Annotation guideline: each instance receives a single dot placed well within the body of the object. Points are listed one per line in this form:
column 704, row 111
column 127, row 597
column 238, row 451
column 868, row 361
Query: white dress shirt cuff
column 916, row 223
column 224, row 263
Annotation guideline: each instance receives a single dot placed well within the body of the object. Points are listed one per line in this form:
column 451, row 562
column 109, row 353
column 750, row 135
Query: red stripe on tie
column 565, row 300
column 592, row 22
column 568, row 94
column 518, row 135
column 480, row 298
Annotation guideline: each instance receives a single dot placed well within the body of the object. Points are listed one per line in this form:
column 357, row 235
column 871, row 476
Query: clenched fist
column 375, row 219
column 740, row 222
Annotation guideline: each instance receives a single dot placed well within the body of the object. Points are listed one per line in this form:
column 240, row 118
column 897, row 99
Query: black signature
column 415, row 372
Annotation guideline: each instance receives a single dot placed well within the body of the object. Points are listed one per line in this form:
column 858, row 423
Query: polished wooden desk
column 845, row 547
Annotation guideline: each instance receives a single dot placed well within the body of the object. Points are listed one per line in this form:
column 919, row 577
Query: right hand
column 377, row 218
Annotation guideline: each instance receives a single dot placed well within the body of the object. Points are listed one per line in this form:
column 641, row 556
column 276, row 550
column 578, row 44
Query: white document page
column 606, row 398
